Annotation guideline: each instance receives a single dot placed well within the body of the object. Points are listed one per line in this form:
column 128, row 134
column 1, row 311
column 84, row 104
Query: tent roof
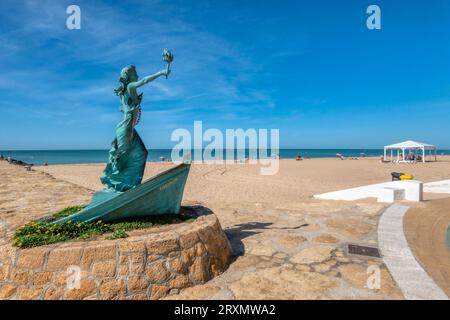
column 410, row 144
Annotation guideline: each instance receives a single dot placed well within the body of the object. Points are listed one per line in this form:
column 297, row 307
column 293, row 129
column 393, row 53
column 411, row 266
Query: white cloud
column 71, row 74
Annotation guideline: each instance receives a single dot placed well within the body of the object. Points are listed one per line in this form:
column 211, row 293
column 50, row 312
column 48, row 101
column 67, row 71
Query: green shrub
column 149, row 222
column 41, row 232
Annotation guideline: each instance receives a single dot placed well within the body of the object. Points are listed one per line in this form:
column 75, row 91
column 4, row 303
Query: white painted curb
column 442, row 186
column 389, row 192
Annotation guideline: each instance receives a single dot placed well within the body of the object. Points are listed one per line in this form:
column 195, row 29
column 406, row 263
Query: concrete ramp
column 442, row 186
column 388, row 192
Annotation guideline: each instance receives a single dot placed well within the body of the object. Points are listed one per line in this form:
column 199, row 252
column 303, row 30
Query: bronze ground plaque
column 363, row 250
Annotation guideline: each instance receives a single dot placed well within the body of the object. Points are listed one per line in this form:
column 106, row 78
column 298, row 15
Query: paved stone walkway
column 407, row 272
column 29, row 195
column 296, row 251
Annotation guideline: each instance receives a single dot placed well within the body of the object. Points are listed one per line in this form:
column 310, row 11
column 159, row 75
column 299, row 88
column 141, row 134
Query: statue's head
column 127, row 75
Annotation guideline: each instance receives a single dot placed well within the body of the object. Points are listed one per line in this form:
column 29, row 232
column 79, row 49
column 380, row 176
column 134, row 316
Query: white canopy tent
column 413, row 147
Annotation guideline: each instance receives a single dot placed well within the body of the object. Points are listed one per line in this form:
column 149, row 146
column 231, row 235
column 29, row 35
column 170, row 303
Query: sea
column 39, row 157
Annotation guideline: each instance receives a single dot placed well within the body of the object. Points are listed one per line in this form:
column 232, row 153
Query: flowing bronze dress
column 128, row 154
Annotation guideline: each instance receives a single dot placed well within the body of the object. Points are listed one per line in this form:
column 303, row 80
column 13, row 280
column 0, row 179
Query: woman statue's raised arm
column 168, row 58
column 147, row 79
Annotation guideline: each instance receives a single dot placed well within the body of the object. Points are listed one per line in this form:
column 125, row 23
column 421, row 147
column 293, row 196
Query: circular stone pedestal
column 149, row 264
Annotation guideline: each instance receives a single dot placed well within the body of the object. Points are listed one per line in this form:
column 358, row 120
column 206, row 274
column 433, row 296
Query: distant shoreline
column 54, row 157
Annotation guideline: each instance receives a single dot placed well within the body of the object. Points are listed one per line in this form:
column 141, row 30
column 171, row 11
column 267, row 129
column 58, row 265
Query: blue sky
column 309, row 68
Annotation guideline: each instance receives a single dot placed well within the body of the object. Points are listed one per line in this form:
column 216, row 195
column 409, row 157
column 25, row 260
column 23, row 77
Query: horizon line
column 290, row 148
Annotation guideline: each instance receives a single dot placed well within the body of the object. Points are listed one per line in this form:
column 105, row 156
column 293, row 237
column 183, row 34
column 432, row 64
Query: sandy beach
column 296, row 181
column 286, row 245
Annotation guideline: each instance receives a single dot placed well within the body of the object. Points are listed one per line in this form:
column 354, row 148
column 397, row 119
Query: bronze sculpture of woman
column 128, row 154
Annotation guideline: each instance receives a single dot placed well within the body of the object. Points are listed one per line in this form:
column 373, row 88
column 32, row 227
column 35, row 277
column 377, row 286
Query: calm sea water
column 38, row 157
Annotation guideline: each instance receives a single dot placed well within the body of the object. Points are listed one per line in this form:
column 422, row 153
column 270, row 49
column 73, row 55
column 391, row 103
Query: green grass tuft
column 68, row 211
column 117, row 234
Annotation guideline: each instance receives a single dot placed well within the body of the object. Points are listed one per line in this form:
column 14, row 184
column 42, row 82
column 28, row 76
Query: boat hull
column 161, row 194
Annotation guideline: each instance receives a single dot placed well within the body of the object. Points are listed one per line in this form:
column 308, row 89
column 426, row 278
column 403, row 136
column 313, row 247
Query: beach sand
column 426, row 229
column 286, row 245
column 242, row 183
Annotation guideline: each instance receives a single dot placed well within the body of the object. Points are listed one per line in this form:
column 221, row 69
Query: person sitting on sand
column 299, row 158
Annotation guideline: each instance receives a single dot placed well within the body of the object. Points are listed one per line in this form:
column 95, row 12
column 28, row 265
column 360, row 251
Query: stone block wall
column 148, row 266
